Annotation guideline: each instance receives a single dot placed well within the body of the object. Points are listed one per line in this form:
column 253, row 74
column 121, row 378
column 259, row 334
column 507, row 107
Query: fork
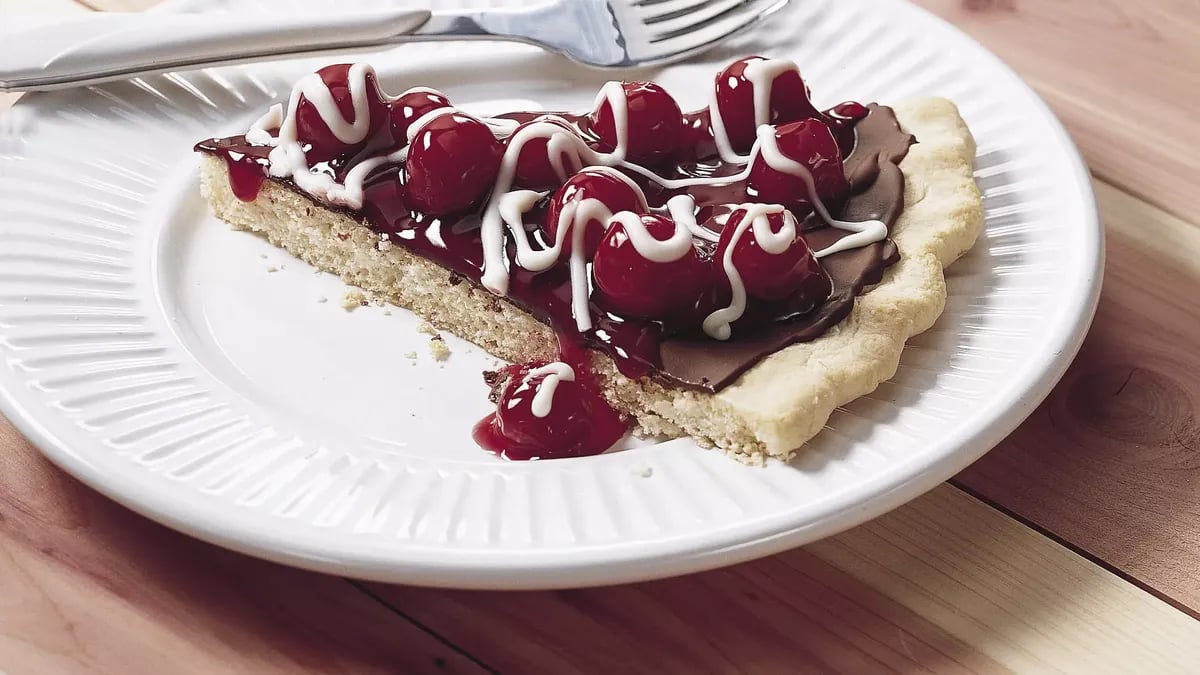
column 598, row 33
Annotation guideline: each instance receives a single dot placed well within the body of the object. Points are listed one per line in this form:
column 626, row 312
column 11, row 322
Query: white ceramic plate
column 148, row 350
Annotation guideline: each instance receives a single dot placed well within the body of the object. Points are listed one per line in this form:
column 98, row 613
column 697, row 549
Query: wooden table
column 1073, row 546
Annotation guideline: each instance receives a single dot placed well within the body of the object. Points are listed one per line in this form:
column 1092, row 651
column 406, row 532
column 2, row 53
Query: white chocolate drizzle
column 504, row 213
column 418, row 125
column 766, row 146
column 683, row 211
column 761, row 75
column 551, row 374
column 561, row 142
column 655, row 250
column 756, row 218
column 572, row 222
column 288, row 159
column 260, row 130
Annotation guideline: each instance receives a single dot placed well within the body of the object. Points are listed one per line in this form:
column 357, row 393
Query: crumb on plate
column 354, row 299
column 439, row 349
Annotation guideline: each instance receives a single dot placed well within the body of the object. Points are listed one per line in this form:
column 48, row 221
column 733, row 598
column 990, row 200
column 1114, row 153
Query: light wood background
column 1073, row 547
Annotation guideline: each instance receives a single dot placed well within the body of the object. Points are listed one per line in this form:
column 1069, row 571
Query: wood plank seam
column 1108, row 462
column 1078, row 550
column 943, row 584
column 361, row 588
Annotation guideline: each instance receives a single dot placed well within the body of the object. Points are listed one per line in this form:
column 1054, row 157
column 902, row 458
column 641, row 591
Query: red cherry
column 535, row 170
column 580, row 422
column 311, row 129
column 452, row 164
column 697, row 141
column 810, row 143
column 409, row 106
column 769, row 276
column 850, row 110
column 596, row 183
column 634, row 286
column 654, row 124
column 842, row 119
column 789, row 101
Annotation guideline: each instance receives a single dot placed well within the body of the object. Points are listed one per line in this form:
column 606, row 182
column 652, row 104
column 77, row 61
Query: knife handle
column 107, row 46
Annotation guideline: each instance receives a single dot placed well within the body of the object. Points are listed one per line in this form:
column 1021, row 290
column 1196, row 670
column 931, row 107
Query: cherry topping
column 810, row 143
column 653, row 124
column 851, row 111
column 673, row 296
column 697, row 141
column 245, row 178
column 599, row 184
column 535, row 167
column 789, row 102
column 842, row 119
column 311, row 129
column 771, row 276
column 634, row 286
column 579, row 422
column 409, row 106
column 452, row 164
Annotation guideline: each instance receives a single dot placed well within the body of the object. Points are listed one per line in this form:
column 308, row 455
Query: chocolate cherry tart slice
column 732, row 274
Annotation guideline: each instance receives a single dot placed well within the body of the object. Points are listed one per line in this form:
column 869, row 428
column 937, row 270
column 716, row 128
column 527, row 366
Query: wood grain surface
column 1108, row 466
column 1111, row 461
column 88, row 587
column 944, row 583
column 1123, row 76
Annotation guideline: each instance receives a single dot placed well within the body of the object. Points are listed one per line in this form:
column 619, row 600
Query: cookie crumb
column 411, row 356
column 427, row 328
column 437, row 347
column 354, row 299
column 387, row 312
column 272, row 269
column 322, row 300
column 642, row 470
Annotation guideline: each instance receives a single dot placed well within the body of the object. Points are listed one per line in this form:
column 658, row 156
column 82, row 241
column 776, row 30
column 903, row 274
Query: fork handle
column 108, row 46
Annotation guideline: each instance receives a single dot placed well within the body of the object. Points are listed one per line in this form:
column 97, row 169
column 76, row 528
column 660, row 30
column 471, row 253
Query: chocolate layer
column 641, row 348
column 877, row 193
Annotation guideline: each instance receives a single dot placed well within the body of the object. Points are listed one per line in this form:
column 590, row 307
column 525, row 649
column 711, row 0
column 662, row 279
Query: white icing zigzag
column 756, row 219
column 504, row 213
column 551, row 374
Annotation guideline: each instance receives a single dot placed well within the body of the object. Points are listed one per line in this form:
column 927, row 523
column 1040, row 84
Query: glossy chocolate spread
column 641, row 347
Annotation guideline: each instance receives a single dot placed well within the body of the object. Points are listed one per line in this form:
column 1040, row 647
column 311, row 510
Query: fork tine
column 703, row 37
column 664, row 10
column 690, row 19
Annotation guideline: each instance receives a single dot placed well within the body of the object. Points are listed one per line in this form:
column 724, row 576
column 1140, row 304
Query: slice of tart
column 731, row 274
